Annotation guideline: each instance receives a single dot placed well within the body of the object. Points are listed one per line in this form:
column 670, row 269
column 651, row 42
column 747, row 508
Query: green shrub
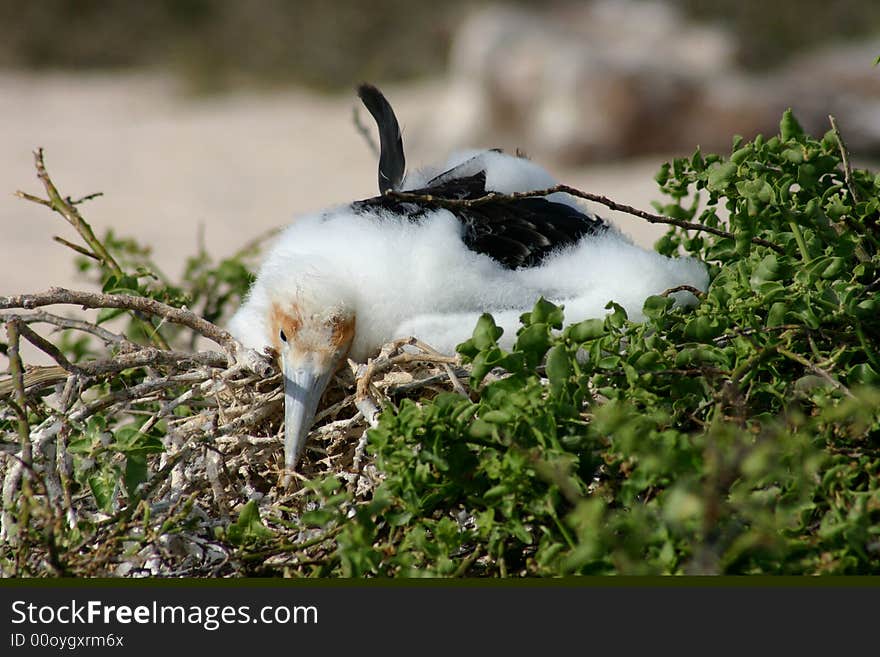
column 739, row 436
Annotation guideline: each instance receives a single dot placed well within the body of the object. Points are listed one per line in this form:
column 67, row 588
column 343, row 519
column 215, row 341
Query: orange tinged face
column 324, row 340
column 311, row 348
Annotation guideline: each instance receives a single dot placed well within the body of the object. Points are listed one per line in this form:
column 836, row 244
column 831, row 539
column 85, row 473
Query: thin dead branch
column 844, row 156
column 75, row 247
column 364, row 131
column 596, row 198
column 108, row 337
column 67, row 209
column 684, row 288
column 837, row 385
column 60, row 295
column 16, row 369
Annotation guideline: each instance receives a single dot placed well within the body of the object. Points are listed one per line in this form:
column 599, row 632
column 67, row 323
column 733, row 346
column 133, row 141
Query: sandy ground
column 237, row 165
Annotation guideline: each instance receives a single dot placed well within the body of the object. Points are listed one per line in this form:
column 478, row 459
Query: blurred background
column 214, row 120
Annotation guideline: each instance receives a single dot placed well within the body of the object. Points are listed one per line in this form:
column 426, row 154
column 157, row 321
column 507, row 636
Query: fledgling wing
column 514, row 232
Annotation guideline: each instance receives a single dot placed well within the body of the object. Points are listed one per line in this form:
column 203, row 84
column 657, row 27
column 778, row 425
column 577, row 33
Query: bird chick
column 341, row 283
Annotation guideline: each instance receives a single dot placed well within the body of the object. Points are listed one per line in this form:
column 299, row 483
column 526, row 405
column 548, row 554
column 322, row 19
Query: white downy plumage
column 347, row 280
column 402, row 278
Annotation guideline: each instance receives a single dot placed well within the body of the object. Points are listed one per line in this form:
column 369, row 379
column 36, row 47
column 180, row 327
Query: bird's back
column 515, row 232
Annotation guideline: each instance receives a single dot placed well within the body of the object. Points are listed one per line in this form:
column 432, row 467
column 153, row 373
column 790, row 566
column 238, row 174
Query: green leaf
column 794, row 155
column 863, row 374
column 103, row 486
column 249, row 527
column 704, row 329
column 546, row 312
column 534, row 341
column 720, row 176
column 867, row 309
column 481, row 429
column 130, row 438
column 486, row 333
column 648, row 361
column 771, row 268
column 497, row 417
column 663, row 174
column 617, row 318
column 589, row 329
column 120, row 285
column 680, row 505
column 776, row 315
column 135, row 472
column 789, row 128
column 655, row 306
column 739, row 156
column 558, row 367
column 317, row 518
column 834, row 268
column 497, row 491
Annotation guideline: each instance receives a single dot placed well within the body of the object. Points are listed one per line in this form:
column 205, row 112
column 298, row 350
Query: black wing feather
column 515, row 232
column 392, row 162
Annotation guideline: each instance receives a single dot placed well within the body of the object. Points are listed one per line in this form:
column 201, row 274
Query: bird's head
column 312, row 341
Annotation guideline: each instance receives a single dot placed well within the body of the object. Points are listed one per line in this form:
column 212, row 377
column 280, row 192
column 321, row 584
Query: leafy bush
column 737, row 436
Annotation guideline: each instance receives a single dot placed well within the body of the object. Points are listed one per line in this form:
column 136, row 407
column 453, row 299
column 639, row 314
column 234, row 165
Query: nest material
column 222, row 445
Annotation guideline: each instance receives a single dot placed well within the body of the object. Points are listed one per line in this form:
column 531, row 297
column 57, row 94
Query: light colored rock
column 597, row 81
column 594, row 80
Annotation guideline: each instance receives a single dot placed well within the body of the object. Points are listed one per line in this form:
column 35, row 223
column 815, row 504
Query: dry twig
column 844, row 156
column 596, row 198
column 67, row 209
column 684, row 288
column 60, row 295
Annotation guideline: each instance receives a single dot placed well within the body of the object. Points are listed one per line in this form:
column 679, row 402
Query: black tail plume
column 392, row 162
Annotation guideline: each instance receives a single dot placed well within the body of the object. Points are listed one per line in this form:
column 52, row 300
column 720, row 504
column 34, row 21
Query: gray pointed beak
column 304, row 383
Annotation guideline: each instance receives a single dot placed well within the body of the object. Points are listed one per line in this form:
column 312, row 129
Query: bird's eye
column 282, row 336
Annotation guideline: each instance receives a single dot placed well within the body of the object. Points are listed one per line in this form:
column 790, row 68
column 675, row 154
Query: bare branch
column 76, row 324
column 67, row 210
column 684, row 288
column 24, row 432
column 447, row 367
column 16, row 368
column 59, row 295
column 364, row 132
column 76, row 247
column 33, row 199
column 258, row 414
column 837, row 385
column 596, row 198
column 435, row 379
column 36, row 377
column 41, row 343
column 137, row 392
column 844, row 155
column 83, row 199
column 145, row 356
column 385, row 361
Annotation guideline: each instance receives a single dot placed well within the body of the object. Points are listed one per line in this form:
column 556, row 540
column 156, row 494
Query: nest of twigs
column 219, row 412
column 225, row 451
